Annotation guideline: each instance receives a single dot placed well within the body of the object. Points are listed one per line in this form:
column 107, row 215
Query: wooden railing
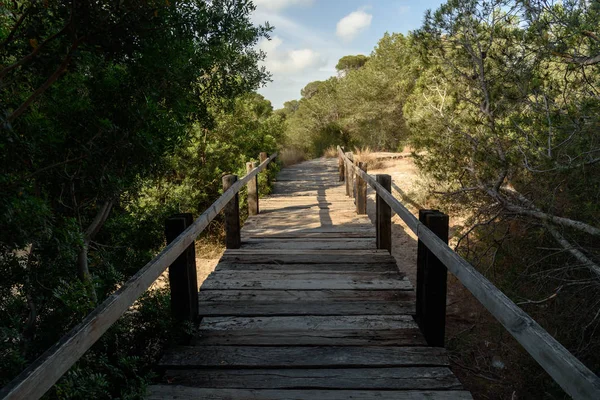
column 181, row 231
column 434, row 256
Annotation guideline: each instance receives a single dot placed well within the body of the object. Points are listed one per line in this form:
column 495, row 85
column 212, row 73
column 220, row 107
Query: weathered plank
column 270, row 258
column 360, row 330
column 339, row 244
column 239, row 308
column 173, row 392
column 304, row 280
column 309, row 323
column 366, row 234
column 304, row 296
column 383, row 267
column 431, row 378
column 307, row 357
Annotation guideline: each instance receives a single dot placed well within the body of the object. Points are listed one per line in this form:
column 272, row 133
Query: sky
column 310, row 36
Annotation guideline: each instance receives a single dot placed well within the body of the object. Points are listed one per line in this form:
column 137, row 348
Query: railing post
column 233, row 238
column 432, row 277
column 348, row 176
column 383, row 215
column 350, row 188
column 252, row 190
column 262, row 157
column 182, row 273
column 361, row 191
column 341, row 166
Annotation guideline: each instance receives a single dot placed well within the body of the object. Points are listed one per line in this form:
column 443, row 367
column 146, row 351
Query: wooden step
column 307, row 280
column 404, row 378
column 382, row 267
column 362, row 330
column 173, row 392
column 312, row 244
column 185, row 357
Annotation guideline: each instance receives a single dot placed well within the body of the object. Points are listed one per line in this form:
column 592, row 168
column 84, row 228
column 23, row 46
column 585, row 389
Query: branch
column 34, row 52
column 53, row 78
column 98, row 221
column 574, row 252
column 553, row 295
column 562, row 221
column 581, row 60
column 533, row 211
column 15, row 28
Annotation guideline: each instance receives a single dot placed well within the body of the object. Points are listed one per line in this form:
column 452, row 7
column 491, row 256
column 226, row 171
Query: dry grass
column 330, row 152
column 291, row 156
column 366, row 155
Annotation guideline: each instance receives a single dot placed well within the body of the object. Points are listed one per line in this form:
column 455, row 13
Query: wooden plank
column 304, row 296
column 282, row 324
column 366, row 234
column 383, row 267
column 312, row 239
column 307, row 357
column 239, row 308
column 316, row 229
column 431, row 378
column 309, row 331
column 305, row 281
column 172, row 392
column 341, row 244
column 267, row 258
column 306, row 302
column 363, row 252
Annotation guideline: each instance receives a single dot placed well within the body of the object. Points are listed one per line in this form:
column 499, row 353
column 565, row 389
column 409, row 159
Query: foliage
column 349, row 63
column 363, row 107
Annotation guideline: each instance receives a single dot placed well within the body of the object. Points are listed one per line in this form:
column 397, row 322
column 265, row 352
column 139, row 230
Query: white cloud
column 280, row 4
column 270, row 46
column 280, row 61
column 403, row 10
column 352, row 24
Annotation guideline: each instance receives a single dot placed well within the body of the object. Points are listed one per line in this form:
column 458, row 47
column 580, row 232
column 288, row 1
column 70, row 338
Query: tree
column 350, row 63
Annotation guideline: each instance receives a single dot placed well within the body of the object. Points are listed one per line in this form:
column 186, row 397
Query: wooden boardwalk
column 307, row 309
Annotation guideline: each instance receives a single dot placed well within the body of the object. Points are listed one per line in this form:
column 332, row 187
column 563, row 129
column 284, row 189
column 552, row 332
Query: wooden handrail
column 36, row 379
column 573, row 377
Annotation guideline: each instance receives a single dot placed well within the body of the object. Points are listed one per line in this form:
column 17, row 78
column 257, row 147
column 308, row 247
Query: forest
column 115, row 115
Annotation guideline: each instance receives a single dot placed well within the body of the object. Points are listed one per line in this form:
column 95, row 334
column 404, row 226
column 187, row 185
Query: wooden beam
column 431, row 282
column 383, row 216
column 233, row 238
column 361, row 191
column 182, row 272
column 252, row 190
column 341, row 168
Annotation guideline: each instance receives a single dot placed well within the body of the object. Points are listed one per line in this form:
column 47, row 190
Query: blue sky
column 310, row 36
